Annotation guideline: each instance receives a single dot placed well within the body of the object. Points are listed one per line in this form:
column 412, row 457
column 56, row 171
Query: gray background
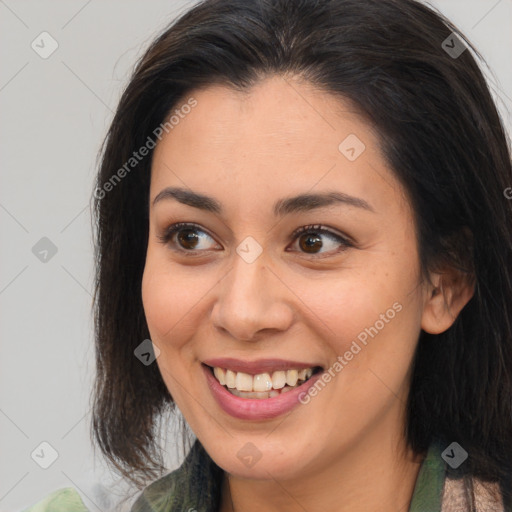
column 54, row 114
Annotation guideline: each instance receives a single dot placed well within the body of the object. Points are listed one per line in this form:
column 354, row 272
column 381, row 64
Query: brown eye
column 185, row 237
column 310, row 242
column 312, row 239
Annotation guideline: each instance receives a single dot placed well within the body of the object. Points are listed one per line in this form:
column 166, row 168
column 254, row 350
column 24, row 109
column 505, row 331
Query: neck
column 370, row 476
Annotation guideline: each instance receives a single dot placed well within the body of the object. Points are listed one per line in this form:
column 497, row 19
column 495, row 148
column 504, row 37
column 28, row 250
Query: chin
column 259, row 458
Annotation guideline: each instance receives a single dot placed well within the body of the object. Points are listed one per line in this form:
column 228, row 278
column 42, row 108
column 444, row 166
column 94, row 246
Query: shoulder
column 195, row 485
column 443, row 488
column 62, row 500
column 470, row 493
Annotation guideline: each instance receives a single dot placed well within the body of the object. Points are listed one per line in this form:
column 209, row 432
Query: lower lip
column 256, row 408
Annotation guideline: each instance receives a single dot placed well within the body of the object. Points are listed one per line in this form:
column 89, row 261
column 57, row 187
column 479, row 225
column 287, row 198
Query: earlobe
column 445, row 299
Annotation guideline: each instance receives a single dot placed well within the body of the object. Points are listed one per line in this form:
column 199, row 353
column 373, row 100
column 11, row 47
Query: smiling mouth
column 263, row 385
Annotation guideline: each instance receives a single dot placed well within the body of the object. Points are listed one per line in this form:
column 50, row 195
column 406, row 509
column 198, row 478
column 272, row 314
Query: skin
column 345, row 450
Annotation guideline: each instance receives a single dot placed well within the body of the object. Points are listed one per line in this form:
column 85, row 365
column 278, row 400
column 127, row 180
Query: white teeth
column 291, row 377
column 262, row 382
column 243, row 381
column 260, row 385
column 220, row 374
column 230, row 379
column 278, row 379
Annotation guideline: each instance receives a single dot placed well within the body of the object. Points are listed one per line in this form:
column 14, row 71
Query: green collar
column 197, row 483
column 428, row 490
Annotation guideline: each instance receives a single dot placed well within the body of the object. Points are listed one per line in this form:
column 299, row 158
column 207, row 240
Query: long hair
column 440, row 133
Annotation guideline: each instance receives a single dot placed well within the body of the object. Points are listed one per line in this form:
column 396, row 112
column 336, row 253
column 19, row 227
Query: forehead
column 277, row 110
column 280, row 135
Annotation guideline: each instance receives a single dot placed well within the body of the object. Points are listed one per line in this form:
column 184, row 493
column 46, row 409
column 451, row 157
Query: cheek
column 168, row 300
column 370, row 330
column 342, row 307
column 168, row 305
column 370, row 315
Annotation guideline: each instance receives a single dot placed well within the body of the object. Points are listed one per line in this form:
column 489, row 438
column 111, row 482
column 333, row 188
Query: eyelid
column 344, row 240
column 321, row 228
column 171, row 230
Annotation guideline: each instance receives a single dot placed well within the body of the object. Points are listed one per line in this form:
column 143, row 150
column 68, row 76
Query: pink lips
column 250, row 408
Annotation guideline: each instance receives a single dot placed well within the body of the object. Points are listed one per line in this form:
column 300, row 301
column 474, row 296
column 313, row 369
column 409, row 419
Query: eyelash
column 166, row 238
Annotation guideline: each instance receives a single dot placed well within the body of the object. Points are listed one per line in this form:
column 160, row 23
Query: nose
column 252, row 302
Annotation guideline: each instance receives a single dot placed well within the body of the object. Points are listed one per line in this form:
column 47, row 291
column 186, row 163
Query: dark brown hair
column 441, row 134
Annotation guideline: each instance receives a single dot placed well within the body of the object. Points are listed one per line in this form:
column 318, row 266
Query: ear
column 449, row 292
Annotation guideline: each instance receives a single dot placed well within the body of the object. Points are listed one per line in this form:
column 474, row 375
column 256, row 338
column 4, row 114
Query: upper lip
column 258, row 366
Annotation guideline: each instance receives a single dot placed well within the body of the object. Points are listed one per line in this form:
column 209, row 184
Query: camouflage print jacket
column 195, row 487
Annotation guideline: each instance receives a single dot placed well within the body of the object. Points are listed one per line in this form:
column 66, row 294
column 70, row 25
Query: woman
column 302, row 204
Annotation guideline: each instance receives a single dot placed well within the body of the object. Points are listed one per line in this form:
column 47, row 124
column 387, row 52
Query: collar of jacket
column 196, row 486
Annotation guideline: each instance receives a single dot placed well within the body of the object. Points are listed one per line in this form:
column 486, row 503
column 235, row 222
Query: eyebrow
column 282, row 207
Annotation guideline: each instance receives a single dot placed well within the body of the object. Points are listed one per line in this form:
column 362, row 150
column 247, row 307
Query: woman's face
column 240, row 285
